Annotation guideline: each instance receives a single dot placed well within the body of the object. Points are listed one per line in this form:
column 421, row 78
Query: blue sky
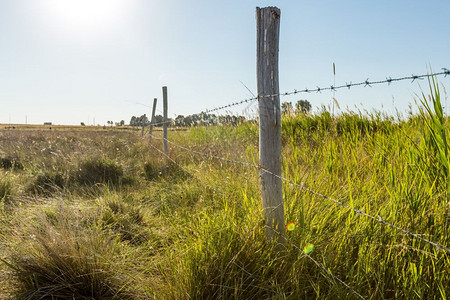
column 70, row 61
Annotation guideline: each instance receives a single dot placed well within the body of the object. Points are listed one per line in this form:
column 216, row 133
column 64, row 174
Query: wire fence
column 309, row 190
column 319, row 265
column 365, row 83
column 360, row 212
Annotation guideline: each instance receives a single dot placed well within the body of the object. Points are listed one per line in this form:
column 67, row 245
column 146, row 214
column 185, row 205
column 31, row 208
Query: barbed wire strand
column 366, row 83
column 340, row 203
column 287, row 240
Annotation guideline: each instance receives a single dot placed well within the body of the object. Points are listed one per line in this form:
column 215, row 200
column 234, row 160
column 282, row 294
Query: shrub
column 99, row 170
column 170, row 170
column 48, row 183
column 10, row 163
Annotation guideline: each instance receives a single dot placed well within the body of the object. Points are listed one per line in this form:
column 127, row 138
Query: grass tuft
column 62, row 260
column 99, row 171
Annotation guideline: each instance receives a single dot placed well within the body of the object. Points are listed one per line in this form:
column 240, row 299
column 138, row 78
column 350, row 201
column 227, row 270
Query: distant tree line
column 302, row 106
column 202, row 119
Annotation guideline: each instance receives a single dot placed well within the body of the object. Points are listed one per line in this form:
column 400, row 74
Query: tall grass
column 193, row 229
column 59, row 259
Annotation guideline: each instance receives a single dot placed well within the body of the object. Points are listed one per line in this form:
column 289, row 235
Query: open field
column 65, row 127
column 101, row 214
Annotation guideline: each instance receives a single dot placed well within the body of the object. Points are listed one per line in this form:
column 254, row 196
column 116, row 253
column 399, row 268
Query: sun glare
column 85, row 17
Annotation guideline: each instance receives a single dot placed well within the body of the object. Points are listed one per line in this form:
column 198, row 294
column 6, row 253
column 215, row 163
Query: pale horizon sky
column 70, row 61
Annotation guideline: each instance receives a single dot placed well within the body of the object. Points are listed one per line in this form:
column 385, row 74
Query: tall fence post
column 150, row 132
column 268, row 29
column 166, row 150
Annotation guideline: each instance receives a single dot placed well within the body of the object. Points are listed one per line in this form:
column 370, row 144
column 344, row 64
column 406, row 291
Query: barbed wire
column 365, row 83
column 340, row 203
column 232, row 104
column 285, row 239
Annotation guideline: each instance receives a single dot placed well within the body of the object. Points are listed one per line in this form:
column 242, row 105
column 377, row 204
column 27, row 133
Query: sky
column 72, row 61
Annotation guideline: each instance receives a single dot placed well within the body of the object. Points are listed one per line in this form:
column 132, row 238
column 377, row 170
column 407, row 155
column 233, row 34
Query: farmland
column 101, row 214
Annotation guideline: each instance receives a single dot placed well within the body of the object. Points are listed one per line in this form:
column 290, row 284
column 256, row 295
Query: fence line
column 340, row 203
column 366, row 83
column 287, row 240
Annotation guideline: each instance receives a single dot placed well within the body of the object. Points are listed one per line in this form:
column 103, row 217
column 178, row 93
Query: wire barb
column 414, row 77
column 388, row 80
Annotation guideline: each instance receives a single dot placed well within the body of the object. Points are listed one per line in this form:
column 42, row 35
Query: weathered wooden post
column 143, row 124
column 166, row 150
column 153, row 119
column 268, row 29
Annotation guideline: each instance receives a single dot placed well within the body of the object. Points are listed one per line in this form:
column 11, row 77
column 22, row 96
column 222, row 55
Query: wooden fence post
column 166, row 150
column 150, row 133
column 268, row 29
column 143, row 124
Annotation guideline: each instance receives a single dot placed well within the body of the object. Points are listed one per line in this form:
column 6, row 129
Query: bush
column 99, row 170
column 10, row 163
column 170, row 170
column 48, row 183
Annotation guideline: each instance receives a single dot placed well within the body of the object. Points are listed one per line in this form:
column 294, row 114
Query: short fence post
column 268, row 29
column 143, row 124
column 166, row 150
column 150, row 132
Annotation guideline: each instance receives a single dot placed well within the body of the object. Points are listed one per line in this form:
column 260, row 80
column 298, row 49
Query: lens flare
column 290, row 226
column 308, row 249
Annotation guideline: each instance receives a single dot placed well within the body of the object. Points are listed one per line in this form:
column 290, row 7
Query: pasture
column 102, row 214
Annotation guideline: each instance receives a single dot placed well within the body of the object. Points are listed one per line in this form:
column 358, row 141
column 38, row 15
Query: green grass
column 102, row 215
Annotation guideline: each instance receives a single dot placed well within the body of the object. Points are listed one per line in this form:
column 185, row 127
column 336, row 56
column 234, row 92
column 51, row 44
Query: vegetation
column 103, row 215
column 202, row 119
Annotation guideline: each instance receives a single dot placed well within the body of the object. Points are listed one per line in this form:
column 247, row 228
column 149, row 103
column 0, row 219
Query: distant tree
column 286, row 108
column 179, row 121
column 82, row 124
column 121, row 123
column 302, row 106
column 158, row 120
column 133, row 121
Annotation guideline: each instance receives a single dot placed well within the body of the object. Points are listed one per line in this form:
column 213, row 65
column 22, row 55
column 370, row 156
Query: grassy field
column 101, row 214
